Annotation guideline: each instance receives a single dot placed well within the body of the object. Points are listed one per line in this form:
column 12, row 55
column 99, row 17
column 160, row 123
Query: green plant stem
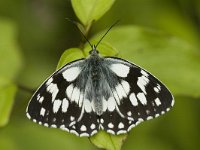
column 25, row 88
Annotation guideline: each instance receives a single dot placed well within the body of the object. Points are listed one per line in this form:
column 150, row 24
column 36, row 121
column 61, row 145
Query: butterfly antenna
column 76, row 24
column 107, row 32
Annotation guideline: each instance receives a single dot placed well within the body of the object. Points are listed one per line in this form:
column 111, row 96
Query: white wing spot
column 149, row 117
column 133, row 99
column 72, row 123
column 71, row 73
column 46, row 124
column 144, row 73
column 62, row 127
column 92, row 126
column 74, row 132
column 38, row 96
column 111, row 104
column 110, row 125
column 72, row 118
column 53, row 89
column 54, row 126
column 27, row 114
column 41, row 99
column 142, row 98
column 116, row 97
column 156, row 89
column 93, row 132
column 65, row 105
column 83, row 128
column 105, row 104
column 75, row 95
column 69, row 91
column 121, row 125
column 120, row 70
column 139, row 121
column 87, row 106
column 56, row 105
column 49, row 81
column 158, row 86
column 142, row 82
column 125, row 86
column 172, row 104
column 42, row 111
column 157, row 101
column 162, row 112
column 148, row 112
column 129, row 113
column 130, row 118
column 121, row 132
column 80, row 102
column 84, row 134
column 102, row 121
column 110, row 131
column 120, row 91
column 129, row 128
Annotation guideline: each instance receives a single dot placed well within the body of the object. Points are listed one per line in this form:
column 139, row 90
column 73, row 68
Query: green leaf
column 104, row 48
column 91, row 10
column 10, row 56
column 10, row 64
column 69, row 55
column 172, row 60
column 108, row 141
column 6, row 143
column 7, row 94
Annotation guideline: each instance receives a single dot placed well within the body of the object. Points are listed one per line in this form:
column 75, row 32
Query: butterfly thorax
column 94, row 81
column 99, row 81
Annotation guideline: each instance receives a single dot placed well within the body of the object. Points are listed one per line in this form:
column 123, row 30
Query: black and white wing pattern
column 136, row 96
column 96, row 93
column 58, row 103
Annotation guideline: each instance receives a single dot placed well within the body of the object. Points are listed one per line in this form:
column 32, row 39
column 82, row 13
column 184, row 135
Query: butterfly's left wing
column 136, row 96
column 59, row 102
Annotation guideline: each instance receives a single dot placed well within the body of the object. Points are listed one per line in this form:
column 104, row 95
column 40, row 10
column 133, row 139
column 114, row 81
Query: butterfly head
column 94, row 51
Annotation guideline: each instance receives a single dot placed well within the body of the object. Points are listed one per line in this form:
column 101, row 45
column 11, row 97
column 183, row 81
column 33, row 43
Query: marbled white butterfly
column 99, row 93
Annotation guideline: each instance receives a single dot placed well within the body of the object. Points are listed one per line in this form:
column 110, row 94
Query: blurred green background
column 163, row 36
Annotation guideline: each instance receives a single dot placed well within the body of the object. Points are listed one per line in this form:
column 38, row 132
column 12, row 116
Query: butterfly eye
column 94, row 51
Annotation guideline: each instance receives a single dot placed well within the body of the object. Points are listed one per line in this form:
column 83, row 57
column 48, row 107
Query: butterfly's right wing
column 59, row 102
column 136, row 96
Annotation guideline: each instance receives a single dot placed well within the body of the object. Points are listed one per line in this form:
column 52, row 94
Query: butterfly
column 99, row 93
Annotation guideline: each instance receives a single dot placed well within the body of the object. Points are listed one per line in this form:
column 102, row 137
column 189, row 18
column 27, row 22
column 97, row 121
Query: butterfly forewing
column 99, row 93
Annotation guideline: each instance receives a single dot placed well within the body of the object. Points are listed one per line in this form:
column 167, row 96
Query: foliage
column 160, row 36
